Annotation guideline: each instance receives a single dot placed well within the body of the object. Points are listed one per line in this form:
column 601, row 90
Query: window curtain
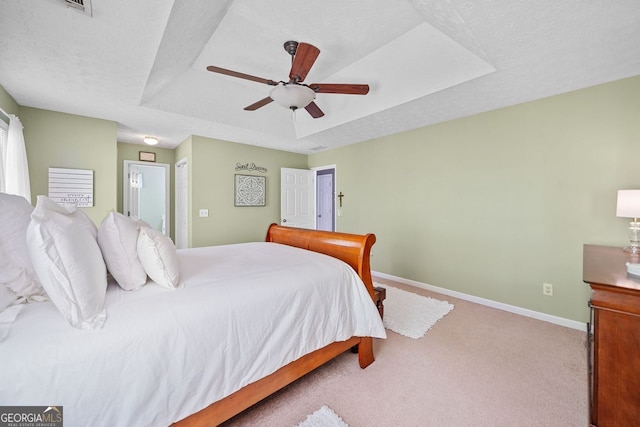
column 16, row 167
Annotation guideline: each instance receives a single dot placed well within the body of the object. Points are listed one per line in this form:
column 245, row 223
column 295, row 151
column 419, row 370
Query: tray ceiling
column 143, row 64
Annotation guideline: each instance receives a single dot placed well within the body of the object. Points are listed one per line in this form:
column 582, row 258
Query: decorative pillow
column 16, row 270
column 85, row 222
column 68, row 262
column 118, row 241
column 159, row 257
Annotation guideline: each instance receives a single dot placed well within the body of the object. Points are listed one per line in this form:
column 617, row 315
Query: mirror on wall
column 145, row 193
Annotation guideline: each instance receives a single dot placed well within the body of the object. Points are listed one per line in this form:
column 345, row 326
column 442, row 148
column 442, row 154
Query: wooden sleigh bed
column 354, row 250
column 240, row 322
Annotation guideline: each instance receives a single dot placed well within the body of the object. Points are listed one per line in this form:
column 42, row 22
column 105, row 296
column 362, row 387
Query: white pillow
column 159, row 257
column 16, row 270
column 68, row 262
column 84, row 221
column 118, row 241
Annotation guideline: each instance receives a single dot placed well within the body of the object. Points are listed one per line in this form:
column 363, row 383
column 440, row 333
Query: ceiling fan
column 294, row 94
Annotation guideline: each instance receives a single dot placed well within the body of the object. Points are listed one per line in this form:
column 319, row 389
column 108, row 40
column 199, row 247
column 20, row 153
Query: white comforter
column 245, row 311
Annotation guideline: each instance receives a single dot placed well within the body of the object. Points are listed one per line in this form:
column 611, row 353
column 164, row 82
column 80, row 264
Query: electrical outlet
column 547, row 289
column 204, row 213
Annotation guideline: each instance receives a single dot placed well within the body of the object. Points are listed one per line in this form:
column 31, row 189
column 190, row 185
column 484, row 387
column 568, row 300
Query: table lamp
column 629, row 207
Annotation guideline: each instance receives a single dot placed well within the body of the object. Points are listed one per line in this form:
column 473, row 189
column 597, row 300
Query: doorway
column 307, row 197
column 146, row 195
column 325, row 199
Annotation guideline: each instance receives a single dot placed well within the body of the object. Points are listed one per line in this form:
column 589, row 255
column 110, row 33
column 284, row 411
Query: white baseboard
column 489, row 303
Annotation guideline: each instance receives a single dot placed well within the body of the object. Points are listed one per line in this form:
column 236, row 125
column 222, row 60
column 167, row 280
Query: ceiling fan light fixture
column 292, row 96
column 150, row 140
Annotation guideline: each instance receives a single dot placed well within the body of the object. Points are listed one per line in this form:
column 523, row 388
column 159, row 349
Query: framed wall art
column 146, row 156
column 250, row 190
column 71, row 187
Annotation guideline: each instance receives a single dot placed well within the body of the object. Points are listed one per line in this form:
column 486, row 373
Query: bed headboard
column 354, row 249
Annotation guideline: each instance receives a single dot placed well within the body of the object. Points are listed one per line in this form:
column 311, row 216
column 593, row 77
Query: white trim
column 2, row 119
column 573, row 324
column 181, row 212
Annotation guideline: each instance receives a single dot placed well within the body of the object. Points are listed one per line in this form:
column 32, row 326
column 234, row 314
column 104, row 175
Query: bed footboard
column 353, row 249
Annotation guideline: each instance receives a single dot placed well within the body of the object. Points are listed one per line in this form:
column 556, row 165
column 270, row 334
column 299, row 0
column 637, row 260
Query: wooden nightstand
column 614, row 337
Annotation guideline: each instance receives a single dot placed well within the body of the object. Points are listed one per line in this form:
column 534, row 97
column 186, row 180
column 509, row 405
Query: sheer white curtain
column 16, row 168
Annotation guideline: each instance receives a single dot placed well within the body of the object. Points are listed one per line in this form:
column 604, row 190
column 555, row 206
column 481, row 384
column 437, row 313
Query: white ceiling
column 143, row 63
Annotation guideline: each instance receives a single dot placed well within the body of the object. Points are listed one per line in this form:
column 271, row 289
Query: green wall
column 7, row 103
column 491, row 205
column 496, row 204
column 64, row 140
column 211, row 186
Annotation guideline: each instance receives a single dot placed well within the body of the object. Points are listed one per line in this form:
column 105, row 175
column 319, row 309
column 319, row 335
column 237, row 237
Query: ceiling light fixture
column 292, row 95
column 150, row 140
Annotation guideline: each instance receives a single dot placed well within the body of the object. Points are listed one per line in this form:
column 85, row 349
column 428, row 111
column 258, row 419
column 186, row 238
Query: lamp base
column 634, row 250
column 634, row 238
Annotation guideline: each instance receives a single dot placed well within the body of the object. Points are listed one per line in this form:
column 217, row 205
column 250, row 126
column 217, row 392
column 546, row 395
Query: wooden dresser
column 614, row 338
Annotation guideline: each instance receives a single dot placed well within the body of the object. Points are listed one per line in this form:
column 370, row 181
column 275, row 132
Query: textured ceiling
column 143, row 63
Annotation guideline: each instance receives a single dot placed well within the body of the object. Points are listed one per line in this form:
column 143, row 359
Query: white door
column 135, row 182
column 297, row 196
column 182, row 204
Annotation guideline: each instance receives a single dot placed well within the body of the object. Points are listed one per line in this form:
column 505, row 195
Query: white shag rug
column 323, row 417
column 410, row 314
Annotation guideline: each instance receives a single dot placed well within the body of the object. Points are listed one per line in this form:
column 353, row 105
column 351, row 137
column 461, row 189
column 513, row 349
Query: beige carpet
column 477, row 366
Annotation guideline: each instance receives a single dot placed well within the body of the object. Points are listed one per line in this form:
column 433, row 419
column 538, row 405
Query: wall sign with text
column 71, row 187
column 250, row 167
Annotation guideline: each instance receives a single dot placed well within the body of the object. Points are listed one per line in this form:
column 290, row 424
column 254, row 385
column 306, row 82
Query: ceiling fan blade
column 258, row 104
column 314, row 110
column 241, row 75
column 303, row 60
column 347, row 89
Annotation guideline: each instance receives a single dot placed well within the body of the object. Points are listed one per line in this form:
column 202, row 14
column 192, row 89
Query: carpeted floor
column 477, row 366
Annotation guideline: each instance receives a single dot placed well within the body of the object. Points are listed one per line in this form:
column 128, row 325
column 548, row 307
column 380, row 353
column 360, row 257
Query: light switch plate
column 204, row 213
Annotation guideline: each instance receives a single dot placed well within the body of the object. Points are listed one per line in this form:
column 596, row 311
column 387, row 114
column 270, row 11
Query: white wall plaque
column 71, row 187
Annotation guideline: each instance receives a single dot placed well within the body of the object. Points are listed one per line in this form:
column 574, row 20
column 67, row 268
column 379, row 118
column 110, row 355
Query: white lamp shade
column 292, row 95
column 628, row 204
column 150, row 140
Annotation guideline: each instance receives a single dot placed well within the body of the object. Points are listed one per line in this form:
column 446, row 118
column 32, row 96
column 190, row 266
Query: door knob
column 284, row 220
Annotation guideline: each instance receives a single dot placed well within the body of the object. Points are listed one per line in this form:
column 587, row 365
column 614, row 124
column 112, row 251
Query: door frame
column 315, row 171
column 167, row 188
column 181, row 241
